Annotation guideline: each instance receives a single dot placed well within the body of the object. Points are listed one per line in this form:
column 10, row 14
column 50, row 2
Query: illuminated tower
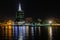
column 19, row 14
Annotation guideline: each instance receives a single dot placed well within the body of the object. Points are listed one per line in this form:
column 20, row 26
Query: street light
column 50, row 22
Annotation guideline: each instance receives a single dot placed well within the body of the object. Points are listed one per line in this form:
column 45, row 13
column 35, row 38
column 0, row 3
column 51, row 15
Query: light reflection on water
column 23, row 32
column 20, row 32
column 50, row 32
column 15, row 33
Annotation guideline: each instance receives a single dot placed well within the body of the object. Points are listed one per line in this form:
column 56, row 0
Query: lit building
column 17, row 30
column 19, row 14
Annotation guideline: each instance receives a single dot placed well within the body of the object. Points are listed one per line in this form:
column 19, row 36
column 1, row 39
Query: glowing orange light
column 9, row 22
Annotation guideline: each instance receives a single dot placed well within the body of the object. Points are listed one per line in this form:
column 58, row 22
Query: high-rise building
column 19, row 14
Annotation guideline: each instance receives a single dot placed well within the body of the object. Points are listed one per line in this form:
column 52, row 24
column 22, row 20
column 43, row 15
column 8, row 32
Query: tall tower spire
column 19, row 7
column 19, row 14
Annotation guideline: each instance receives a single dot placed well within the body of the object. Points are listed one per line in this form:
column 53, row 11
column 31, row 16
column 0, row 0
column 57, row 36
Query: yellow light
column 10, row 27
column 10, row 31
column 55, row 24
column 27, row 27
column 9, row 22
column 50, row 32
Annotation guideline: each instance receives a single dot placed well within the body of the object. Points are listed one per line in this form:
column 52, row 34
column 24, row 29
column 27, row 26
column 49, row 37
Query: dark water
column 29, row 33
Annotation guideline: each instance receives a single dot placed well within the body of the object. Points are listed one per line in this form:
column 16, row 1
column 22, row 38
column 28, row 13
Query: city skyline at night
column 31, row 8
column 29, row 20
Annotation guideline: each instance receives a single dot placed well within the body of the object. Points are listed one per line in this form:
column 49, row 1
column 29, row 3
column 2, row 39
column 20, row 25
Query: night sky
column 31, row 8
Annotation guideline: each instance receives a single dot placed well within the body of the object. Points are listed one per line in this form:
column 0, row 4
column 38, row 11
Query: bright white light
column 50, row 32
column 20, row 38
column 50, row 22
column 20, row 32
column 19, row 7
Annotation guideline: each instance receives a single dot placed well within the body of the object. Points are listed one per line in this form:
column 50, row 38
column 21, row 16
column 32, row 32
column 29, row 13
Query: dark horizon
column 31, row 8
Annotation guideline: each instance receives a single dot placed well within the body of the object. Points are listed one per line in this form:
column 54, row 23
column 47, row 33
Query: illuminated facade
column 15, row 32
column 19, row 14
column 19, row 20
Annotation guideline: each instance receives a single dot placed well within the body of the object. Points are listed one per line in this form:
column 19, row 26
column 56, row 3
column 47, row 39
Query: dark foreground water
column 29, row 33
